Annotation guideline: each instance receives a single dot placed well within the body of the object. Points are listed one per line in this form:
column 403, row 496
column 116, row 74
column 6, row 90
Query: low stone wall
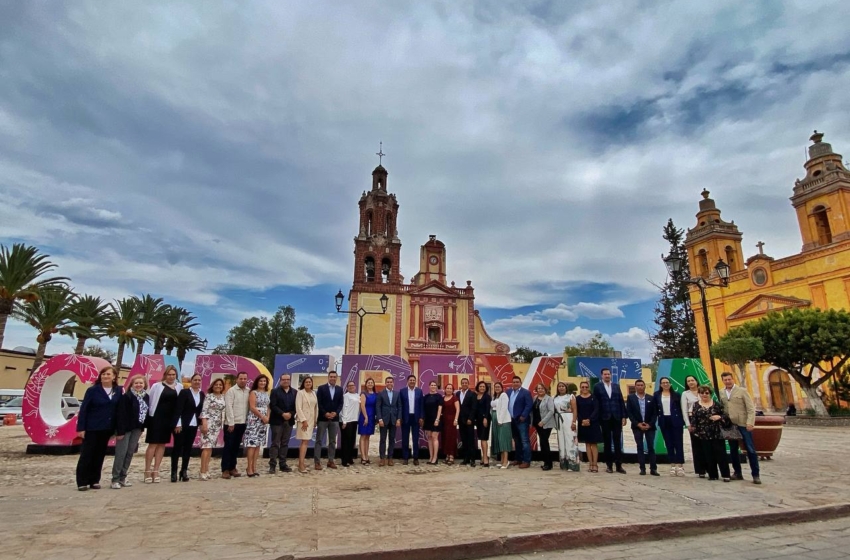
column 813, row 421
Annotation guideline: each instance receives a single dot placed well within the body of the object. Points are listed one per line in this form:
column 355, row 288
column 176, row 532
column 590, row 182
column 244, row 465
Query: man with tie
column 329, row 399
column 411, row 419
column 612, row 417
column 519, row 405
column 388, row 414
column 643, row 414
column 466, row 422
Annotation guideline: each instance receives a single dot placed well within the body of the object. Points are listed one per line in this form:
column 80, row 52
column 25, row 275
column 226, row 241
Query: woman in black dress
column 482, row 423
column 589, row 431
column 706, row 418
column 432, row 406
column 162, row 419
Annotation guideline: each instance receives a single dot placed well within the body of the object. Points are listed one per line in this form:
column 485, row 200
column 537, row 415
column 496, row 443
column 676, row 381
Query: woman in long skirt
column 565, row 422
column 500, row 424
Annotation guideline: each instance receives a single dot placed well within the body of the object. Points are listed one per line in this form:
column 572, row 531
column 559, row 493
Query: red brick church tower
column 377, row 248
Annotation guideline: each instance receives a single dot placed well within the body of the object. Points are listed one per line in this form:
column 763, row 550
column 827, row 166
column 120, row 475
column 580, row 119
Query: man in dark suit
column 643, row 414
column 187, row 414
column 281, row 420
column 466, row 422
column 388, row 416
column 612, row 417
column 519, row 404
column 329, row 399
column 411, row 419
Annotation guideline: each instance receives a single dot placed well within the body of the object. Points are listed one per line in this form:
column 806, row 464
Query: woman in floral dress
column 212, row 420
column 257, row 429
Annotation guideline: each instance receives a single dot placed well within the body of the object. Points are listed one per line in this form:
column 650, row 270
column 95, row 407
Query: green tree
column 49, row 314
column 179, row 324
column 675, row 335
column 524, row 355
column 594, row 347
column 125, row 326
column 800, row 341
column 97, row 351
column 263, row 338
column 187, row 341
column 736, row 348
column 90, row 314
column 153, row 317
column 21, row 270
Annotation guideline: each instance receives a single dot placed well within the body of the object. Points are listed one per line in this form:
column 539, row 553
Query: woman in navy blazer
column 95, row 425
column 671, row 420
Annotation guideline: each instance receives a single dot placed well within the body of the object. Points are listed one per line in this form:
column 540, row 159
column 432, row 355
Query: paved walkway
column 373, row 509
column 822, row 540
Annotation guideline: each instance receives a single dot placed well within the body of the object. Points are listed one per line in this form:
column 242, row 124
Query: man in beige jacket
column 739, row 407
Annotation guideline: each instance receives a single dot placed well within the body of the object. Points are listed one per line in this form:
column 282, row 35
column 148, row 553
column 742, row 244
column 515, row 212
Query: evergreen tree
column 676, row 335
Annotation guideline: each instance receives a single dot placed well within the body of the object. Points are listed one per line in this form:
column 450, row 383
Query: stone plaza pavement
column 369, row 510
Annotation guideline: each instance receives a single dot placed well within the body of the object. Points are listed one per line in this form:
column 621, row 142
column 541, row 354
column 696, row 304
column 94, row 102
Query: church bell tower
column 377, row 248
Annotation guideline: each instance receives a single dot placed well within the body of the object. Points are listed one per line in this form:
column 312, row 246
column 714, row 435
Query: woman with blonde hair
column 306, row 415
column 212, row 421
column 161, row 421
column 130, row 423
column 95, row 425
column 257, row 429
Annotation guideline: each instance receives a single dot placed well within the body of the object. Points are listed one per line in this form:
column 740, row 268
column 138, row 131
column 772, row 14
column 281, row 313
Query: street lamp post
column 360, row 313
column 674, row 262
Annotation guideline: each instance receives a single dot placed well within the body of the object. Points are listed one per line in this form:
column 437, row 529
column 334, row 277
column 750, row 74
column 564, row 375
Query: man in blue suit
column 388, row 416
column 643, row 414
column 411, row 419
column 329, row 399
column 519, row 404
column 612, row 417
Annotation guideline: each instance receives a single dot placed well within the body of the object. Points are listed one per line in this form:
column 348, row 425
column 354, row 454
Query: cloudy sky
column 213, row 153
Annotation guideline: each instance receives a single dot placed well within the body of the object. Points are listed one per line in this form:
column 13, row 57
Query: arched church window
column 731, row 260
column 370, row 269
column 369, row 223
column 386, row 266
column 824, row 233
column 703, row 263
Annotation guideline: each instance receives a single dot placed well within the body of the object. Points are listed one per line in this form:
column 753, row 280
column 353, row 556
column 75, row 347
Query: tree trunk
column 168, row 351
column 120, row 355
column 81, row 345
column 39, row 358
column 140, row 347
column 3, row 318
column 742, row 371
column 181, row 355
column 815, row 402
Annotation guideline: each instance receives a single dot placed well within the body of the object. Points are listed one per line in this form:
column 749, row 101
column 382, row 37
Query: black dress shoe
column 654, row 473
column 272, row 469
column 621, row 470
column 184, row 476
column 174, row 477
column 285, row 468
column 643, row 473
column 547, row 467
column 609, row 470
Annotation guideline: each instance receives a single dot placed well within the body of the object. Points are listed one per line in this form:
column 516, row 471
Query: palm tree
column 182, row 323
column 124, row 325
column 90, row 313
column 152, row 312
column 49, row 314
column 185, row 342
column 20, row 270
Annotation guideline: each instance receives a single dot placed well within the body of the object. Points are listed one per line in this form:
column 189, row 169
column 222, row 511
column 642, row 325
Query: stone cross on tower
column 380, row 153
column 760, row 245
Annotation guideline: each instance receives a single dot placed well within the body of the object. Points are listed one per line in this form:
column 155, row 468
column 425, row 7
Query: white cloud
column 583, row 309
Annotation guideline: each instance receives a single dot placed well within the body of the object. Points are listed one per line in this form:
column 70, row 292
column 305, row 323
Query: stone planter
column 766, row 435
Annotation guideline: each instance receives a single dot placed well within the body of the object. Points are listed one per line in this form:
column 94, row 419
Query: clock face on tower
column 433, row 259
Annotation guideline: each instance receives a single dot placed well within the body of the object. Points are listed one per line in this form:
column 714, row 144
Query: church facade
column 427, row 316
column 818, row 276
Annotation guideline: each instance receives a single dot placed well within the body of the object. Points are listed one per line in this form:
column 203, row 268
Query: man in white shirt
column 235, row 418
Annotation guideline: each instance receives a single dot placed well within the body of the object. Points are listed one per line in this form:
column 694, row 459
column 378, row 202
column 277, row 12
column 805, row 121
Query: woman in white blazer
column 500, row 423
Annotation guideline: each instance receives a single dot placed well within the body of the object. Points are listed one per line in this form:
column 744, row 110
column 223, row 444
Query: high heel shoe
column 148, row 477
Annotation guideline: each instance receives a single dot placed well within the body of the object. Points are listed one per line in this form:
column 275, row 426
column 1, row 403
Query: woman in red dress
column 451, row 411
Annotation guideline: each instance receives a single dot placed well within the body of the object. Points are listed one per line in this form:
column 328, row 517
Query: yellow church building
column 818, row 276
column 429, row 315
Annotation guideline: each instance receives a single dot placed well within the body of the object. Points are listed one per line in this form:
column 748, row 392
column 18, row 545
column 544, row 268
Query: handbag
column 728, row 430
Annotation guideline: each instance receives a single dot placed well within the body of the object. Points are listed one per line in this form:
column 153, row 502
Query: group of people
column 454, row 422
